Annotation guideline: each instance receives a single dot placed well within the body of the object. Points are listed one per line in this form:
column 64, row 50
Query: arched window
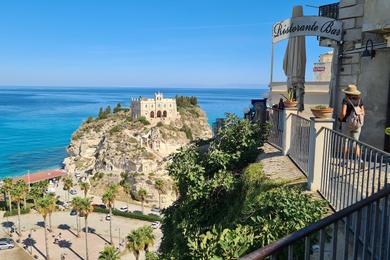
column 152, row 114
column 165, row 114
column 159, row 113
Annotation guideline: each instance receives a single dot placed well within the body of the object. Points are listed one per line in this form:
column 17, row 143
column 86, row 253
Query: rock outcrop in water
column 104, row 149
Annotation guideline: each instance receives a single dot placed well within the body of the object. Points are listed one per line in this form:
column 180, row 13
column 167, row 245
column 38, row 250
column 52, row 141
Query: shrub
column 117, row 108
column 187, row 131
column 139, row 216
column 151, row 256
column 14, row 212
column 89, row 119
column 115, row 129
column 184, row 101
column 143, row 120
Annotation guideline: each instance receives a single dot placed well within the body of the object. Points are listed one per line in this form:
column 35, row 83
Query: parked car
column 73, row 212
column 108, row 217
column 73, row 191
column 77, row 175
column 102, row 206
column 156, row 209
column 124, row 209
column 6, row 243
column 156, row 225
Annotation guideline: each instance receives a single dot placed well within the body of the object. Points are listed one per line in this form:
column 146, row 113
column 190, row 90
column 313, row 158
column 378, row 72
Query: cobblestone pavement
column 279, row 167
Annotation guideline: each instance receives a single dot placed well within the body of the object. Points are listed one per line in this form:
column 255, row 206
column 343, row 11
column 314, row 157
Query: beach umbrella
column 294, row 63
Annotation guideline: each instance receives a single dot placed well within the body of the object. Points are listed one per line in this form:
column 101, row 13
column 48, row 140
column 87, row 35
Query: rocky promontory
column 114, row 147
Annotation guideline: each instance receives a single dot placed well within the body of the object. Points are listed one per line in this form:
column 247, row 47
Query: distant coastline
column 36, row 123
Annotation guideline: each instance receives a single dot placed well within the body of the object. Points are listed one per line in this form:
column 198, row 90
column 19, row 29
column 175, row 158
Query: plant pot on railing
column 322, row 111
column 290, row 103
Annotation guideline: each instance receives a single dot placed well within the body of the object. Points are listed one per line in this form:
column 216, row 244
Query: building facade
column 154, row 109
column 323, row 68
column 363, row 58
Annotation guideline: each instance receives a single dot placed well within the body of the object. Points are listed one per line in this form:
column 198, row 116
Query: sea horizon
column 36, row 122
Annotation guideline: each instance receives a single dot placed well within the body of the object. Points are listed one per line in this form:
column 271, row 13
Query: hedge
column 14, row 212
column 116, row 212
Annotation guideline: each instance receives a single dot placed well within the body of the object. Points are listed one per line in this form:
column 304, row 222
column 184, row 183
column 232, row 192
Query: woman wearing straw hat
column 352, row 115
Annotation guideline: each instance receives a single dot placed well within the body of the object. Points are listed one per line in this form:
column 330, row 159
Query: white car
column 73, row 191
column 156, row 225
column 124, row 209
column 108, row 217
column 6, row 243
column 77, row 175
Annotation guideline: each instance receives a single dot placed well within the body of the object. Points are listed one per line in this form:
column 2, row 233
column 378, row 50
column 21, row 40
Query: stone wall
column 371, row 75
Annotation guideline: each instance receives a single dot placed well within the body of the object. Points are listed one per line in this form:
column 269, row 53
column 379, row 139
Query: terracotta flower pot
column 322, row 112
column 290, row 103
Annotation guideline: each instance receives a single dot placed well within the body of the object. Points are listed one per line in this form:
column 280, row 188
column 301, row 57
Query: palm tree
column 84, row 186
column 127, row 189
column 135, row 242
column 7, row 187
column 43, row 205
column 18, row 194
column 142, row 193
column 147, row 237
column 51, row 207
column 109, row 253
column 85, row 209
column 24, row 189
column 68, row 184
column 108, row 199
column 75, row 203
column 160, row 187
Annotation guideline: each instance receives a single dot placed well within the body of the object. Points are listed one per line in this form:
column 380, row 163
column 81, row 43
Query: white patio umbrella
column 294, row 63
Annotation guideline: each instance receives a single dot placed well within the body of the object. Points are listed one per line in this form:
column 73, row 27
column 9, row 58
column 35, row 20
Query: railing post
column 286, row 140
column 316, row 150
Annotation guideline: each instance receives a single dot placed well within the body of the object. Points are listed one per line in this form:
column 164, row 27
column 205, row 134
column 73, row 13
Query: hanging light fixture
column 369, row 53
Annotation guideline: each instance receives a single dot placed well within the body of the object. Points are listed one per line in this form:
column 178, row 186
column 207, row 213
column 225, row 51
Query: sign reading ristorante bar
column 307, row 25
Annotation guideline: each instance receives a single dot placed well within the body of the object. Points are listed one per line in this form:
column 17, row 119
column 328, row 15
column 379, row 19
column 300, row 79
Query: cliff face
column 102, row 149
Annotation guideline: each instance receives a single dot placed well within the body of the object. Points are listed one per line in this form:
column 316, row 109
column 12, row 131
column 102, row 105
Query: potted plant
column 322, row 111
column 290, row 100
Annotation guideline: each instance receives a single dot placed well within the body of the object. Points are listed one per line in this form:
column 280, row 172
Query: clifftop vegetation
column 227, row 207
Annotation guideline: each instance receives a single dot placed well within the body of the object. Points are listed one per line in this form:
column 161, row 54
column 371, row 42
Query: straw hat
column 352, row 90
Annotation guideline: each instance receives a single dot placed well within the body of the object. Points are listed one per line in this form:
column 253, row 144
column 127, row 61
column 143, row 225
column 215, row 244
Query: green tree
column 68, row 184
column 38, row 190
column 117, row 108
column 108, row 199
column 109, row 253
column 18, row 193
column 107, row 111
column 7, row 188
column 24, row 189
column 51, row 208
column 76, row 205
column 147, row 237
column 151, row 256
column 85, row 186
column 159, row 184
column 43, row 205
column 142, row 193
column 86, row 208
column 101, row 114
column 135, row 242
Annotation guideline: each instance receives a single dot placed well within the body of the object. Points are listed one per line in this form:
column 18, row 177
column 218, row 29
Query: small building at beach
column 154, row 109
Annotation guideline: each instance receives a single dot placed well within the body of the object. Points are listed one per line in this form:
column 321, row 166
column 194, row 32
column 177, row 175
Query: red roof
column 40, row 176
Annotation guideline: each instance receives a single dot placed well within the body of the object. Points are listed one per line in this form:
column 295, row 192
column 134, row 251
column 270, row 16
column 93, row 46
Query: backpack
column 356, row 119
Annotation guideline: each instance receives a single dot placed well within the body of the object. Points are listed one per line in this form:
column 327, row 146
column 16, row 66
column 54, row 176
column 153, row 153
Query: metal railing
column 351, row 170
column 360, row 231
column 277, row 126
column 299, row 147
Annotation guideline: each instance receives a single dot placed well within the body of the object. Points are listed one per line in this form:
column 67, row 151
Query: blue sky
column 217, row 43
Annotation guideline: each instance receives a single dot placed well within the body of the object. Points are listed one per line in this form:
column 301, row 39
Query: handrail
column 360, row 142
column 290, row 239
column 301, row 117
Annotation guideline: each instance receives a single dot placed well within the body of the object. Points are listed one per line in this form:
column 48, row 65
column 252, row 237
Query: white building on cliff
column 154, row 109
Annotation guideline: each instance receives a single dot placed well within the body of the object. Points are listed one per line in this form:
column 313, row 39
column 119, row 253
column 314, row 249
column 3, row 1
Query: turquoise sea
column 36, row 123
